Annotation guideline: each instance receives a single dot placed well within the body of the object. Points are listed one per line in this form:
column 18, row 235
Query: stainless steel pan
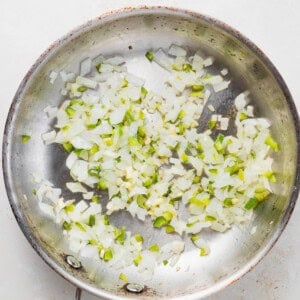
column 130, row 32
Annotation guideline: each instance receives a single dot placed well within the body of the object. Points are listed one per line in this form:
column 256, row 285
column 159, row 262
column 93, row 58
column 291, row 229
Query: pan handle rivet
column 134, row 287
column 73, row 262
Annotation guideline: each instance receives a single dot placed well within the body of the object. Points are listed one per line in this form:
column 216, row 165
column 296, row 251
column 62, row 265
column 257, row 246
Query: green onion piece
column 144, row 92
column 191, row 224
column 93, row 242
column 108, row 255
column 141, row 201
column 197, row 94
column 197, row 88
column 169, row 229
column 181, row 128
column 165, row 262
column 212, row 124
column 159, row 222
column 102, row 185
column 154, row 248
column 25, row 138
column 210, row 218
column 243, row 116
column 125, row 83
column 95, row 199
column 129, row 118
column 168, row 215
column 34, row 191
column 69, row 208
column 108, row 141
column 147, row 183
column 94, row 149
column 98, row 67
column 139, row 238
column 194, row 238
column 187, row 67
column 137, row 260
column 133, row 141
column 141, row 131
column 272, row 143
column 241, row 175
column 203, row 251
column 198, row 202
column 68, row 146
column 251, row 203
column 106, row 220
column 92, row 220
column 82, row 89
column 70, row 111
column 149, row 55
column 227, row 202
column 64, row 128
column 233, row 169
column 261, row 193
column 196, row 179
column 66, row 225
column 213, row 171
column 181, row 114
column 184, row 158
column 80, row 226
column 176, row 67
column 120, row 235
column 76, row 101
column 270, row 175
column 94, row 171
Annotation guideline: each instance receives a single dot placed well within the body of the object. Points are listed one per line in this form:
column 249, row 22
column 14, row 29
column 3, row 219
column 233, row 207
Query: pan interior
column 131, row 35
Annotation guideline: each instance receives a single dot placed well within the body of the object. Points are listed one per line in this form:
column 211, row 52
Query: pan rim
column 126, row 12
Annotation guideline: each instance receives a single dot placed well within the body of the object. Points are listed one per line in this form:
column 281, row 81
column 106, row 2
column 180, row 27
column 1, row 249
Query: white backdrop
column 28, row 27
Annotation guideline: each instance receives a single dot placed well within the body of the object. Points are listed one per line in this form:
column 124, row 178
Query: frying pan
column 131, row 32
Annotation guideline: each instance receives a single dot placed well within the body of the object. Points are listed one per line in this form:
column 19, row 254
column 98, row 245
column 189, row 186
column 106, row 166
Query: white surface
column 28, row 27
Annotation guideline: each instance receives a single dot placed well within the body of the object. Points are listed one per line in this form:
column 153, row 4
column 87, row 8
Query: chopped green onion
column 203, row 251
column 159, row 222
column 272, row 143
column 165, row 262
column 34, row 191
column 184, row 158
column 69, row 208
column 197, row 87
column 70, row 111
column 80, row 226
column 102, row 185
column 108, row 255
column 25, row 138
column 187, row 67
column 125, row 83
column 227, row 202
column 137, row 260
column 251, row 203
column 92, row 220
column 82, row 89
column 95, row 199
column 144, row 92
column 154, row 248
column 68, row 146
column 212, row 124
column 66, row 225
column 106, row 220
column 210, row 218
column 149, row 55
column 196, row 179
column 169, row 229
column 194, row 238
column 98, row 67
column 139, row 238
column 243, row 116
